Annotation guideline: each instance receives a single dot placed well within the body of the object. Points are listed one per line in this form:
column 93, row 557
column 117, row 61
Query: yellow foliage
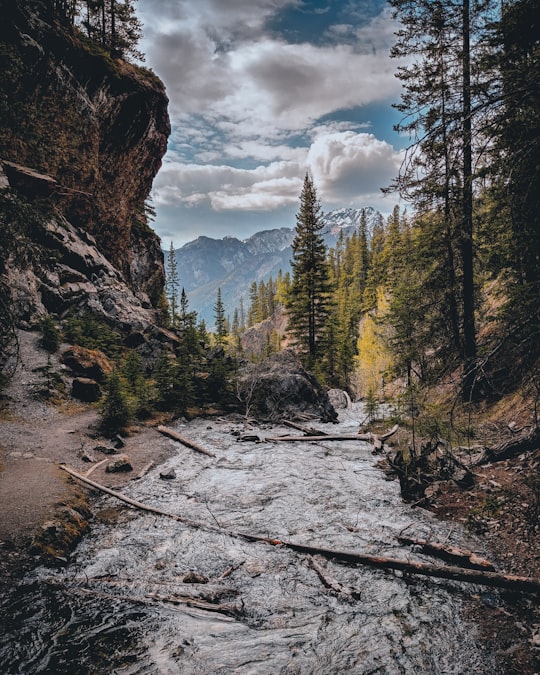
column 373, row 359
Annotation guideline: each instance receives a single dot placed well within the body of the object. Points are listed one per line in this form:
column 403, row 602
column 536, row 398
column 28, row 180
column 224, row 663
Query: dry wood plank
column 185, row 441
column 449, row 553
column 481, row 577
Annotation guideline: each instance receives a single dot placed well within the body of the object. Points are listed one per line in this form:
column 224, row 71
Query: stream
column 120, row 605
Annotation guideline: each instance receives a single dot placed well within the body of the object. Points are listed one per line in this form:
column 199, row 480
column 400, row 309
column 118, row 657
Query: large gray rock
column 339, row 398
column 281, row 388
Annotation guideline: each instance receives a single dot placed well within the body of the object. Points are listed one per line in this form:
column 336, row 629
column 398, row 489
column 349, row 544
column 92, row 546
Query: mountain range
column 206, row 264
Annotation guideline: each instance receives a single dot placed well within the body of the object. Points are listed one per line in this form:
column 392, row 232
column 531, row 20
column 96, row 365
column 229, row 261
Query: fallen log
column 517, row 446
column 483, row 578
column 449, row 553
column 308, row 431
column 328, row 437
column 229, row 609
column 133, row 502
column 185, row 441
column 96, row 466
column 337, row 437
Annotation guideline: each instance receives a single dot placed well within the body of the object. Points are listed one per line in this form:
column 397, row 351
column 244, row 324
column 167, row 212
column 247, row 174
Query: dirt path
column 36, row 437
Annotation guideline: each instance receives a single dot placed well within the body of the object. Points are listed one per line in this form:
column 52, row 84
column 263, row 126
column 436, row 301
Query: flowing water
column 120, row 606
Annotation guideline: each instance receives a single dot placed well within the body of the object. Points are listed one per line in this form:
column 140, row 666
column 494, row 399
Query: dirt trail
column 36, row 437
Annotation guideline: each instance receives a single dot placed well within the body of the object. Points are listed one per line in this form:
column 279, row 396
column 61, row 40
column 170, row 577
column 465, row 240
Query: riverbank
column 36, row 437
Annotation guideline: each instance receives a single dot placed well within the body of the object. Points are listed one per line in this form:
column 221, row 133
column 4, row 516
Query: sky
column 261, row 92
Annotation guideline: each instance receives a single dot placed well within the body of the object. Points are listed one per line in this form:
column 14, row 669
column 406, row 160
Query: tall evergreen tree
column 220, row 320
column 444, row 110
column 309, row 297
column 171, row 285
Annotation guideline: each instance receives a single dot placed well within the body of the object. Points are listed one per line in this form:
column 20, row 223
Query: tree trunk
column 467, row 250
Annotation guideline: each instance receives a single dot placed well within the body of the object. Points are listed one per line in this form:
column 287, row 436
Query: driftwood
column 450, row 553
column 133, row 502
column 480, row 577
column 229, row 609
column 185, row 441
column 328, row 437
column 371, row 438
column 308, row 431
column 146, row 468
column 485, row 578
column 96, row 466
column 516, row 446
column 327, row 580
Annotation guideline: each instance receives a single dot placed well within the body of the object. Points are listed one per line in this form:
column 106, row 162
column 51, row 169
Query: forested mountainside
column 206, row 264
column 82, row 135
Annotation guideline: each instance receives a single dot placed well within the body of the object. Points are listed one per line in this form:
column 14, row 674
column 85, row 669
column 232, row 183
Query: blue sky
column 262, row 91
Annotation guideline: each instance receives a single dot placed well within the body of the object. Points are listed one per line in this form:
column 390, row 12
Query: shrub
column 115, row 412
column 50, row 335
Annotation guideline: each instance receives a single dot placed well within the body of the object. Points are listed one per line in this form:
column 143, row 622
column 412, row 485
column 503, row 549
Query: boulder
column 90, row 363
column 119, row 464
column 170, row 474
column 280, row 387
column 339, row 398
column 85, row 389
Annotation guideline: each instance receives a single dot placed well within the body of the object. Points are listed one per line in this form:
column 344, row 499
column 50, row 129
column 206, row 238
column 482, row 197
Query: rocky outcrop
column 86, row 132
column 280, row 387
column 90, row 363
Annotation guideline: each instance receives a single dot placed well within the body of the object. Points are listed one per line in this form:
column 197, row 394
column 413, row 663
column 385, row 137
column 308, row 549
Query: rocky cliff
column 82, row 136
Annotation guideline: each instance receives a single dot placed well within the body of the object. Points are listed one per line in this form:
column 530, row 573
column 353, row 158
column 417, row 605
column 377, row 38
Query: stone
column 119, row 464
column 339, row 398
column 170, row 474
column 118, row 442
column 85, row 389
column 194, row 578
column 105, row 450
column 279, row 387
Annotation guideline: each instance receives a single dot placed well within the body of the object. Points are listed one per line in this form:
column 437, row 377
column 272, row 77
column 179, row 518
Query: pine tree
column 115, row 412
column 171, row 285
column 309, row 297
column 444, row 109
column 50, row 335
column 220, row 320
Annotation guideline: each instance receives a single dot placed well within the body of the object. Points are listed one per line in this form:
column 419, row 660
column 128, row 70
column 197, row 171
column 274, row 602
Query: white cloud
column 246, row 107
column 217, row 61
column 347, row 166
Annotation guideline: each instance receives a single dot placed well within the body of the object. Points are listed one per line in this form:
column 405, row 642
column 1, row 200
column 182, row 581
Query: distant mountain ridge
column 206, row 264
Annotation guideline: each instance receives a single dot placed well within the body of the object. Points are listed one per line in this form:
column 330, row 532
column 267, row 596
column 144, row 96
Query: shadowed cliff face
column 96, row 125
